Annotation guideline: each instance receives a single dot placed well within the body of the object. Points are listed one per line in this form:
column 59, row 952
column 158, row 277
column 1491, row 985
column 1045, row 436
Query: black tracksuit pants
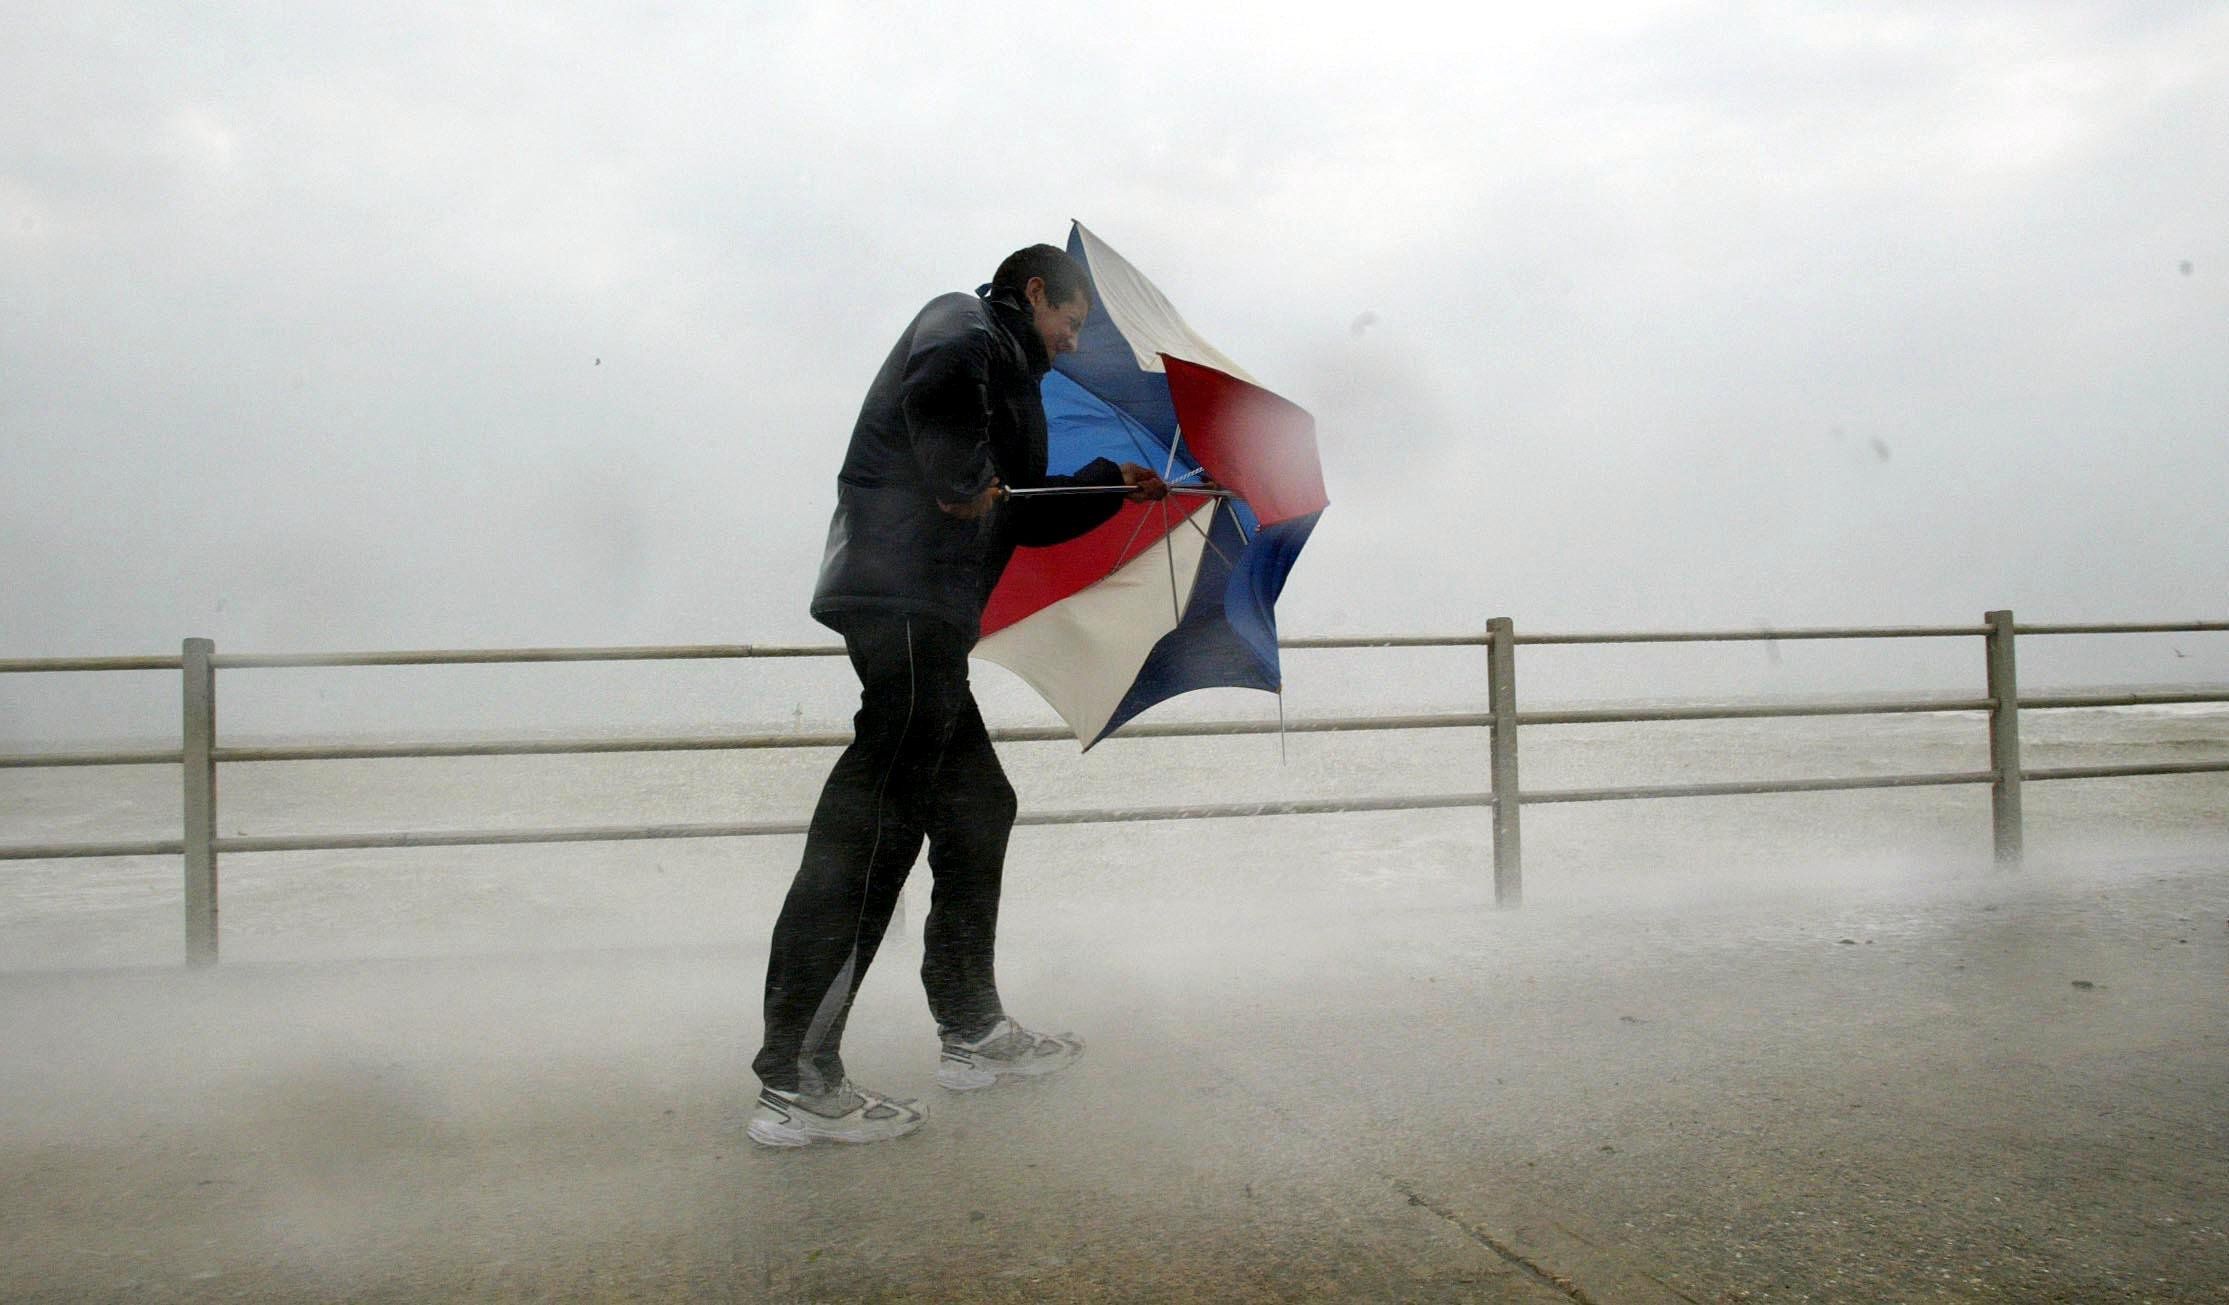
column 919, row 766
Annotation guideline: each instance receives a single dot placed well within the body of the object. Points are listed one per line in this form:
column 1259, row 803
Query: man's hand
column 1145, row 484
column 977, row 506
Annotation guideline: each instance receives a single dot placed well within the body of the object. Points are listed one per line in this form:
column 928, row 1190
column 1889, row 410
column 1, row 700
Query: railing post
column 1501, row 699
column 200, row 745
column 2004, row 739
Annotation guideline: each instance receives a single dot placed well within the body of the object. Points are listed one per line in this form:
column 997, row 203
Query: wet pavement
column 1953, row 1085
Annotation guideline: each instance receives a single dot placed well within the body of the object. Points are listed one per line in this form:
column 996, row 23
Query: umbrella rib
column 1168, row 532
column 1210, row 539
column 1129, row 424
column 1123, row 557
column 1168, row 546
column 1131, row 429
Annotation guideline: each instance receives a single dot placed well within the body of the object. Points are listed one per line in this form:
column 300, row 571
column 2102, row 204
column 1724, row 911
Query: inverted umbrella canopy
column 1173, row 596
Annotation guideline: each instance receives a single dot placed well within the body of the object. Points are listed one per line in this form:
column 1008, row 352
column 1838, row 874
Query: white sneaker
column 1008, row 1051
column 848, row 1114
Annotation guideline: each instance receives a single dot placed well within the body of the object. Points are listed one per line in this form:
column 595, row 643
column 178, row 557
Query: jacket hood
column 1011, row 312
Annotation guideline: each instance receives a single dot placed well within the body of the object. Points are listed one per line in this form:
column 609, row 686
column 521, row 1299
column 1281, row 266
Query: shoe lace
column 849, row 1096
column 1019, row 1043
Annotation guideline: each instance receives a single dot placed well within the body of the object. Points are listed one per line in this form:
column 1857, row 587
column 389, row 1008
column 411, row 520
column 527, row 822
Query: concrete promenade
column 1929, row 1086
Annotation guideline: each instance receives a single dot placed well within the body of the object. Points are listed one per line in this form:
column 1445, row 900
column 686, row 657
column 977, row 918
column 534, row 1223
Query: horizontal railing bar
column 828, row 739
column 30, row 665
column 2137, row 627
column 2122, row 699
column 529, row 747
column 1386, row 641
column 631, row 833
column 1227, row 810
column 468, row 656
column 1732, row 788
column 500, row 837
column 462, row 838
column 1748, row 636
column 1613, row 715
column 478, row 656
column 40, row 760
column 685, row 652
column 66, row 851
column 2142, row 768
column 1055, row 733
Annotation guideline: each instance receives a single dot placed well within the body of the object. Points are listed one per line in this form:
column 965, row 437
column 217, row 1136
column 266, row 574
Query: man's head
column 1055, row 289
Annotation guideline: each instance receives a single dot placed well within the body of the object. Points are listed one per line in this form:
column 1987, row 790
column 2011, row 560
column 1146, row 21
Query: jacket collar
column 1010, row 312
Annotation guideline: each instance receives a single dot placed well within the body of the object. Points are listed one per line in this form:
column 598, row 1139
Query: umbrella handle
column 1046, row 491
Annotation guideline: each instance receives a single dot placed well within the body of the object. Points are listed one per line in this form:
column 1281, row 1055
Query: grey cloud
column 304, row 310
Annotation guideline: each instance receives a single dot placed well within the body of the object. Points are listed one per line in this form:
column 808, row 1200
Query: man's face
column 1057, row 324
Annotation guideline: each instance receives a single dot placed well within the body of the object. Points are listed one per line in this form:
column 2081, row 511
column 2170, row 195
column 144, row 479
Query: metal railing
column 200, row 845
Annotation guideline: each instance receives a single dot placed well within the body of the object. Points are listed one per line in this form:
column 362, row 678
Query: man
column 923, row 529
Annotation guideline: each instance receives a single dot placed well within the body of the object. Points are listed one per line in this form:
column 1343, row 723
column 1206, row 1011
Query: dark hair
column 1064, row 277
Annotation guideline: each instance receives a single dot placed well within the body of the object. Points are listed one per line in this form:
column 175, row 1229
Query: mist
column 442, row 327
column 1318, row 1060
column 456, row 329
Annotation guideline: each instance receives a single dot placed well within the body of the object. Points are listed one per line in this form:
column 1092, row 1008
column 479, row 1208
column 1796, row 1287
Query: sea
column 1622, row 856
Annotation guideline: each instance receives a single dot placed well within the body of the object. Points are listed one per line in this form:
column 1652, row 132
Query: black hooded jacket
column 955, row 404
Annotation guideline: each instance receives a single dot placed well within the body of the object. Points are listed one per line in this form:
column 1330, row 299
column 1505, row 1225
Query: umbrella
column 1172, row 596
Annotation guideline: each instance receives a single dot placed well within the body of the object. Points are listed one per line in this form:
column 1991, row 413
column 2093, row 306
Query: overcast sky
column 448, row 325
